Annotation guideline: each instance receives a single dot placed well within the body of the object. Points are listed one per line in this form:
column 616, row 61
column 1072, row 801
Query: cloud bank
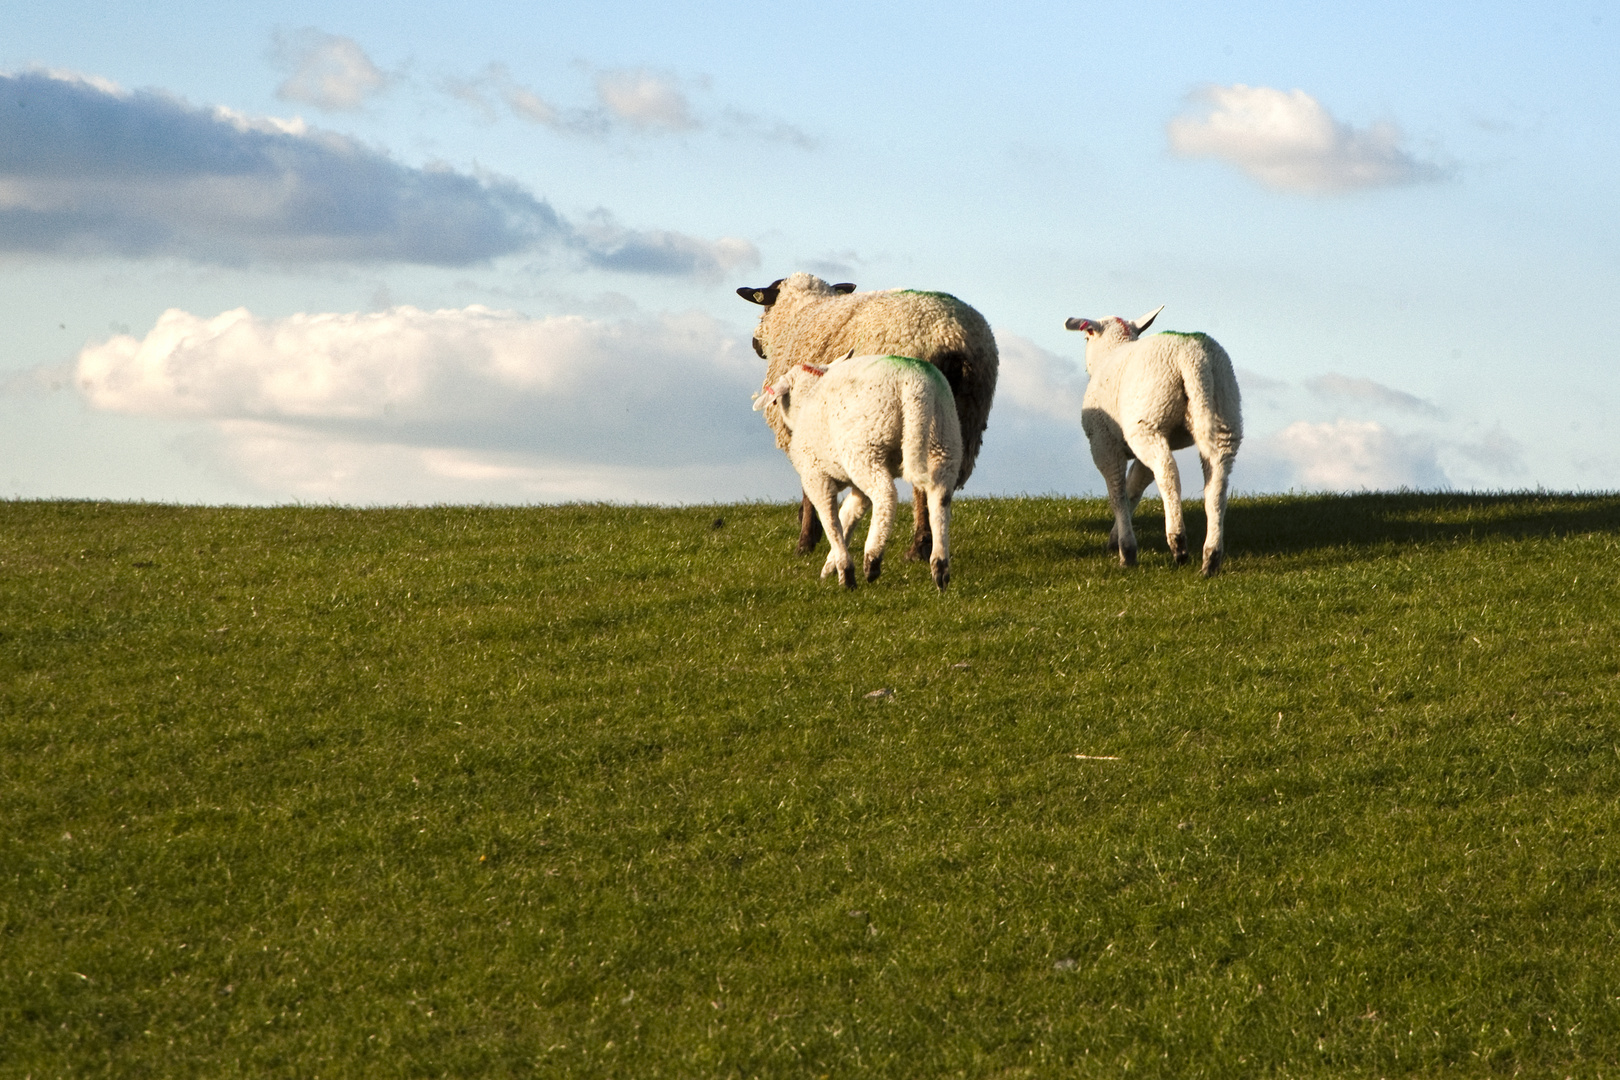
column 1286, row 140
column 88, row 169
column 405, row 405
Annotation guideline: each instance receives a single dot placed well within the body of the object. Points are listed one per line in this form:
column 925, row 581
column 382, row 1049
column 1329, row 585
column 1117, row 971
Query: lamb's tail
column 1214, row 406
column 930, row 440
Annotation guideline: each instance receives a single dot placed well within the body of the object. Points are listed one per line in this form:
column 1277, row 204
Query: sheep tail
column 1214, row 408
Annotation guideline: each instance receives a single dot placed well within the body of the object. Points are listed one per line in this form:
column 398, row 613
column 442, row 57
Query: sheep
column 1145, row 398
column 862, row 421
column 807, row 321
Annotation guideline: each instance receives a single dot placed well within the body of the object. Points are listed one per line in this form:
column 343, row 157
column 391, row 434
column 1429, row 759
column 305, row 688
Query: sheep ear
column 847, row 355
column 766, row 395
column 844, row 287
column 1147, row 320
column 765, row 295
column 1079, row 324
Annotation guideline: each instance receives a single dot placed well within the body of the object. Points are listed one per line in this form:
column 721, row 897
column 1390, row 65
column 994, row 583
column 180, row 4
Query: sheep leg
column 1153, row 450
column 921, row 541
column 1111, row 463
column 809, row 526
column 939, row 517
column 1136, row 482
column 825, row 494
column 1217, row 474
column 872, row 479
column 851, row 512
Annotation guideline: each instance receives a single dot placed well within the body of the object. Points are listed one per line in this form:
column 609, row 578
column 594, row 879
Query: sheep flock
column 864, row 387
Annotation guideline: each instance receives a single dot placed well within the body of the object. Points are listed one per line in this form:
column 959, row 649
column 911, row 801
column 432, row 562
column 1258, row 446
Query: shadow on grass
column 1296, row 523
column 1292, row 524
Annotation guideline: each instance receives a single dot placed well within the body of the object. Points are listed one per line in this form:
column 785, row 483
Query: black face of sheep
column 766, row 295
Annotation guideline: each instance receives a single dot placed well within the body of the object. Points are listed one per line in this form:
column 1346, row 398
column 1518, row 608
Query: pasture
column 598, row 791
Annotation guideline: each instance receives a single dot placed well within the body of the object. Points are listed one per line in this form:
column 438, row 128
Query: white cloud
column 645, row 100
column 1344, row 455
column 466, row 404
column 328, row 71
column 1038, row 381
column 90, row 170
column 285, row 462
column 1287, row 140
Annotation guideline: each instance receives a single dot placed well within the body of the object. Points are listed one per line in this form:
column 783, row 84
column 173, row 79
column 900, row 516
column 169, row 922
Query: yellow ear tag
column 759, row 298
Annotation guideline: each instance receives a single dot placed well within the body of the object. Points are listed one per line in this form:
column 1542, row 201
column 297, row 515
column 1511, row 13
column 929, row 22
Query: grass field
column 602, row 791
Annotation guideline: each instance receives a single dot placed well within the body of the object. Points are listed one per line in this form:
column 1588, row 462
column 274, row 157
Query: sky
column 488, row 253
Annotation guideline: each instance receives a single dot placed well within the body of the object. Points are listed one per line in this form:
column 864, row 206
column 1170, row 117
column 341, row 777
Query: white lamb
column 1147, row 397
column 863, row 421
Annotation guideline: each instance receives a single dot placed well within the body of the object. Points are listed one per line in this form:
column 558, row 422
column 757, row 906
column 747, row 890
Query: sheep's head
column 1115, row 331
column 799, row 284
column 785, row 391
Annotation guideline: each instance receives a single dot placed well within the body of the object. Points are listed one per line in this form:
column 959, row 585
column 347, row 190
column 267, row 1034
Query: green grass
column 599, row 791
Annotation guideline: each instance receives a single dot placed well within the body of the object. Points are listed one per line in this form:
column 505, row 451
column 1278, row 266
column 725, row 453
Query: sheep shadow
column 1300, row 524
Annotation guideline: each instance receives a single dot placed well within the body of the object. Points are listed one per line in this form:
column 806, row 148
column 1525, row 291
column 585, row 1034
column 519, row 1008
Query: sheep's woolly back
column 1139, row 377
column 896, row 409
column 810, row 323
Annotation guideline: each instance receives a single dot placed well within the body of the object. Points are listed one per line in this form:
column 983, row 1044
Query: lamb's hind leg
column 1217, row 476
column 823, row 491
column 852, row 510
column 1136, row 482
column 874, row 480
column 1111, row 463
column 939, row 516
column 1153, row 450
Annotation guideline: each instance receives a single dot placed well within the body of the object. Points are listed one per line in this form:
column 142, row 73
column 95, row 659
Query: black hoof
column 1127, row 556
column 846, row 576
column 1212, row 563
column 942, row 574
column 874, row 567
column 1178, row 549
column 922, row 546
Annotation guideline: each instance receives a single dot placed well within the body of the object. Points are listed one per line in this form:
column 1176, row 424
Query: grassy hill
column 605, row 791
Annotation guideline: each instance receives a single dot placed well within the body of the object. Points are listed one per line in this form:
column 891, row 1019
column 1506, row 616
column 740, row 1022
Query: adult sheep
column 861, row 422
column 807, row 321
column 1147, row 397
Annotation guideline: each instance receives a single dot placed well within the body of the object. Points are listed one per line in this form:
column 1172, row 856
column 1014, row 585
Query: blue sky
column 377, row 254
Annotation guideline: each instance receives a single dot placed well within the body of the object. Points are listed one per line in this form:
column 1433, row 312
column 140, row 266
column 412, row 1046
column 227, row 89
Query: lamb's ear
column 1147, row 320
column 766, row 395
column 1080, row 324
column 844, row 287
column 765, row 295
column 847, row 355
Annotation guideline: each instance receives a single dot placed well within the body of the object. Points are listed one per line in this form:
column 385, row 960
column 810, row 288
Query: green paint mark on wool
column 913, row 362
column 947, row 297
column 1198, row 334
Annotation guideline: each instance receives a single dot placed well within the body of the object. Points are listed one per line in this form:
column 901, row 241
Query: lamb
column 1146, row 398
column 807, row 321
column 862, row 421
